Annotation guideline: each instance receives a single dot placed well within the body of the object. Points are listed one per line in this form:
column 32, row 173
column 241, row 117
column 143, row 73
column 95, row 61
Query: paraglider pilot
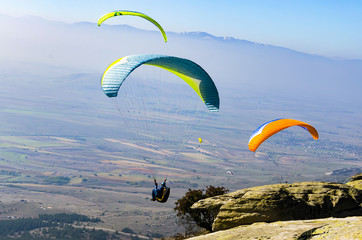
column 160, row 194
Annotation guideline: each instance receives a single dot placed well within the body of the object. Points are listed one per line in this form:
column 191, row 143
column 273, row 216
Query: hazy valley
column 64, row 147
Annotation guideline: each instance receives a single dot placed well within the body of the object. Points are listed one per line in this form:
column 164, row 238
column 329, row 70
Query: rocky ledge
column 283, row 202
column 327, row 229
column 356, row 181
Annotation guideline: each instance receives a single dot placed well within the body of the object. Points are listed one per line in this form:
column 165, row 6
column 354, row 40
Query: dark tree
column 202, row 218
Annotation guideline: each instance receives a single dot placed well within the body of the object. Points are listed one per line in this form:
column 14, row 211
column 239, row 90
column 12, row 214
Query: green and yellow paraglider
column 132, row 13
column 159, row 119
column 196, row 77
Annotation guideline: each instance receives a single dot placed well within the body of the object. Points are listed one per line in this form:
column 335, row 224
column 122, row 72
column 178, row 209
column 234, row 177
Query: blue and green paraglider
column 195, row 76
column 161, row 110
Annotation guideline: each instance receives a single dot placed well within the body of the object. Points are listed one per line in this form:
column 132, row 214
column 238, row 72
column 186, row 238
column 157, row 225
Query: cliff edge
column 285, row 202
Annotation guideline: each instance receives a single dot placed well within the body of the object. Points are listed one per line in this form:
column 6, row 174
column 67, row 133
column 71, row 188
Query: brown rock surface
column 281, row 202
column 322, row 229
column 356, row 181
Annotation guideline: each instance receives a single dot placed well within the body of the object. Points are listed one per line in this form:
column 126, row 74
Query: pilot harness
column 162, row 197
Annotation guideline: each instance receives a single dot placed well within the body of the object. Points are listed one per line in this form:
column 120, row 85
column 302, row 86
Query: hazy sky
column 325, row 27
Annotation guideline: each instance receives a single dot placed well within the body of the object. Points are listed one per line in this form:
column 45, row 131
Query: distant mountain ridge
column 237, row 66
column 195, row 34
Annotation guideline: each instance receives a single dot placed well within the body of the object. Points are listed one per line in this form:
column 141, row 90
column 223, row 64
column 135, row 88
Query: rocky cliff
column 283, row 202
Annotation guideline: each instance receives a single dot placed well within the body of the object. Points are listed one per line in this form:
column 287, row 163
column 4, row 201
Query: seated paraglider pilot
column 160, row 194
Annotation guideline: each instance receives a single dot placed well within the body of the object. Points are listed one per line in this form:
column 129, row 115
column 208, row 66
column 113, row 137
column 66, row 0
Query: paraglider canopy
column 160, row 109
column 132, row 13
column 230, row 172
column 196, row 77
column 270, row 128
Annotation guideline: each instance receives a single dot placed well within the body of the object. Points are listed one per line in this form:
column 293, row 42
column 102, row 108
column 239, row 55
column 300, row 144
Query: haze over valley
column 65, row 147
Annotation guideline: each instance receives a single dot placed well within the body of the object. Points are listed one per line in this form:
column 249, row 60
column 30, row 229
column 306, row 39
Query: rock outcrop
column 282, row 202
column 326, row 229
column 356, row 181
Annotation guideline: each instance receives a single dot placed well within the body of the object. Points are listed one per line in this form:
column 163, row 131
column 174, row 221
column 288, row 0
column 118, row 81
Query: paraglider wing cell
column 190, row 72
column 270, row 128
column 132, row 13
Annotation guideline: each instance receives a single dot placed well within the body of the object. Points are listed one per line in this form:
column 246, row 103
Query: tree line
column 50, row 226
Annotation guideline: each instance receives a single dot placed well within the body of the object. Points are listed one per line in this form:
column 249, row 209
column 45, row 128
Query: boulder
column 356, row 181
column 281, row 202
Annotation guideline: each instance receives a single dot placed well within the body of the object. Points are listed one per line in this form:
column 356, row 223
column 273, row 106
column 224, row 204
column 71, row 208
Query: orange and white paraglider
column 270, row 128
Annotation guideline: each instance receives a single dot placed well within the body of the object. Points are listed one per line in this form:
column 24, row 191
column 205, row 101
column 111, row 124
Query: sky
column 331, row 28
